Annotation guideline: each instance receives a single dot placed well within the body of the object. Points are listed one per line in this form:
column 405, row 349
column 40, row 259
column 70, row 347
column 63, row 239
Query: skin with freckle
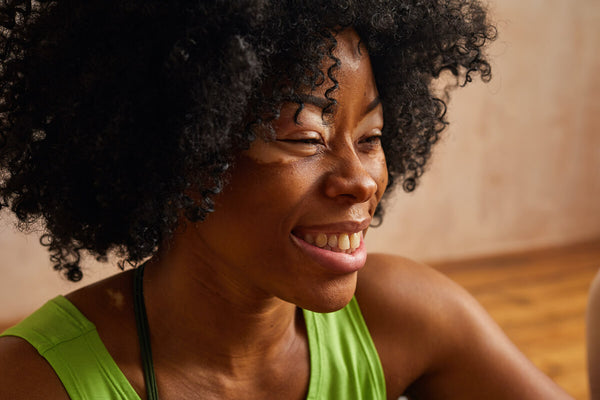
column 117, row 299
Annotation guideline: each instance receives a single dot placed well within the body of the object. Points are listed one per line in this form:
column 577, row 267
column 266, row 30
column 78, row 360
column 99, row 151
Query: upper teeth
column 335, row 241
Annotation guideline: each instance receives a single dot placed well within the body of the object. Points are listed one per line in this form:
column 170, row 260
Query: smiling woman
column 236, row 154
column 301, row 196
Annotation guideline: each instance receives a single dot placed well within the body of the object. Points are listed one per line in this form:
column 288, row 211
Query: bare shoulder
column 406, row 305
column 395, row 292
column 24, row 374
column 388, row 279
column 593, row 342
column 436, row 341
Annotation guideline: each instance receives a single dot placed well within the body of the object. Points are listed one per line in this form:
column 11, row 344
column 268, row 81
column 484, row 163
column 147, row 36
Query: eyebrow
column 372, row 105
column 322, row 102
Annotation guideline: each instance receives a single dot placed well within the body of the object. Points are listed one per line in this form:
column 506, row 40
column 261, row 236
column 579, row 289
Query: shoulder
column 593, row 311
column 594, row 296
column 593, row 344
column 406, row 306
column 402, row 291
column 25, row 374
column 436, row 341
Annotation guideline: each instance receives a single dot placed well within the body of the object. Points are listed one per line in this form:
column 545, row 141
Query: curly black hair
column 113, row 111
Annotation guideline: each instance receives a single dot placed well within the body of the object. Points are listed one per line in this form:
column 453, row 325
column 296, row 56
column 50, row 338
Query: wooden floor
column 539, row 299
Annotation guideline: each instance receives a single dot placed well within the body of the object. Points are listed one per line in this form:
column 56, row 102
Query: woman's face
column 291, row 220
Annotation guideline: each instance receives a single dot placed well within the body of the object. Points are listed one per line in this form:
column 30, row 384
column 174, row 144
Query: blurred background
column 510, row 205
column 519, row 167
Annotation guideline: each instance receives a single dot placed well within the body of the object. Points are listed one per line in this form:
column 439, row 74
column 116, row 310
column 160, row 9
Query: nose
column 349, row 180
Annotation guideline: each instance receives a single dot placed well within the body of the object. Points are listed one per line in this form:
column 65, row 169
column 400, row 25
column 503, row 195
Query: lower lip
column 340, row 263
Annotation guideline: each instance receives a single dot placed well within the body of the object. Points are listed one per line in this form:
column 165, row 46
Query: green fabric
column 343, row 361
column 70, row 343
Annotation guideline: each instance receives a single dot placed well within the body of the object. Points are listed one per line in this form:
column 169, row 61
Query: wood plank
column 539, row 299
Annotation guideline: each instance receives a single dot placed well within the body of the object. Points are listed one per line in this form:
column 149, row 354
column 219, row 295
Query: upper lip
column 334, row 227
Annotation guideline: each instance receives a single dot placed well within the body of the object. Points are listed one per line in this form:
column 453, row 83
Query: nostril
column 350, row 179
column 357, row 188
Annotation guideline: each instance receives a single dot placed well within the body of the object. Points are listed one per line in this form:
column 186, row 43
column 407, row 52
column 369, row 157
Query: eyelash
column 305, row 141
column 373, row 139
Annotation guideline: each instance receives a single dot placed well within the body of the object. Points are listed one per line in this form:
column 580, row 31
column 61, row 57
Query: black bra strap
column 141, row 321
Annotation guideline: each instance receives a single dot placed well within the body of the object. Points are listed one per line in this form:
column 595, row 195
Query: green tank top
column 343, row 361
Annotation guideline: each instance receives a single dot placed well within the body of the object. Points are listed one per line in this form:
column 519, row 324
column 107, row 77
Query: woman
column 242, row 148
column 593, row 346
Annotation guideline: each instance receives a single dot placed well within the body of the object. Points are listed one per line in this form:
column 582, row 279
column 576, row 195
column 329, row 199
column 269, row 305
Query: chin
column 331, row 297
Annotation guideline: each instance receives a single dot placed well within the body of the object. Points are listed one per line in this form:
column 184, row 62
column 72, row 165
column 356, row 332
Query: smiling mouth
column 336, row 242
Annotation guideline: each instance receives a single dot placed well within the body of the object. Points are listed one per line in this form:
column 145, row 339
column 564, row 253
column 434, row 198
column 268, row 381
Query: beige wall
column 520, row 165
column 519, row 168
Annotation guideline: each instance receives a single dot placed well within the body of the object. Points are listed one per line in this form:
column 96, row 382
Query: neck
column 195, row 302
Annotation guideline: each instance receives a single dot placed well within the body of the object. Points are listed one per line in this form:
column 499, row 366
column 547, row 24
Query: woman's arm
column 456, row 351
column 25, row 374
column 593, row 338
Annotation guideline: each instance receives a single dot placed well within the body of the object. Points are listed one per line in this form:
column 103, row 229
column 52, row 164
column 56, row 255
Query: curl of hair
column 113, row 111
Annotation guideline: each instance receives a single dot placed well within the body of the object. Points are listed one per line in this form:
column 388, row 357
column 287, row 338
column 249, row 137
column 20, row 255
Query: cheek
column 277, row 186
column 377, row 168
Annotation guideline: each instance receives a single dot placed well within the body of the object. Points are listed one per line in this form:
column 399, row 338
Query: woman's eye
column 302, row 145
column 373, row 139
column 306, row 140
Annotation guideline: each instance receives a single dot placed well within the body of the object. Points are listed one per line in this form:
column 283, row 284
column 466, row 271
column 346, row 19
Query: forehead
column 354, row 65
column 350, row 49
column 348, row 84
column 351, row 82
